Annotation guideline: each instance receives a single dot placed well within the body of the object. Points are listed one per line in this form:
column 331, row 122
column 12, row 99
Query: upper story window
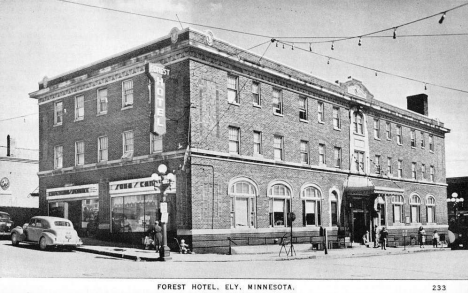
column 431, row 143
column 232, row 88
column 280, row 202
column 79, row 153
column 388, row 130
column 102, row 101
column 127, row 93
column 423, row 141
column 423, row 172
column 243, row 211
column 359, row 161
column 257, row 139
column 400, row 169
column 277, row 102
column 337, row 157
column 58, row 113
column 415, row 208
column 303, row 108
column 102, row 149
column 156, row 143
column 79, row 108
column 311, row 206
column 389, row 167
column 304, row 152
column 320, row 112
column 377, row 164
column 322, row 157
column 234, row 140
column 431, row 173
column 398, row 211
column 278, row 147
column 58, row 157
column 413, row 171
column 413, row 138
column 376, row 128
column 127, row 137
column 358, row 123
column 336, row 118
column 430, row 209
column 256, row 95
column 399, row 134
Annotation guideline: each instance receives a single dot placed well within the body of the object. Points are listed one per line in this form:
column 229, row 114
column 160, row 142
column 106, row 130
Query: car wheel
column 43, row 243
column 14, row 239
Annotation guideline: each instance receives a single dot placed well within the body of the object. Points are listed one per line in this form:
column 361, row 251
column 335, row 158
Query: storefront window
column 133, row 213
column 57, row 209
column 311, row 206
column 90, row 210
column 242, row 195
column 398, row 214
column 280, row 195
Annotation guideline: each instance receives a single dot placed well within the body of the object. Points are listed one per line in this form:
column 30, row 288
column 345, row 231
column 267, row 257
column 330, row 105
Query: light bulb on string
column 394, row 33
column 359, row 41
column 292, row 47
column 328, row 62
column 310, row 47
column 425, row 87
column 332, row 46
column 442, row 18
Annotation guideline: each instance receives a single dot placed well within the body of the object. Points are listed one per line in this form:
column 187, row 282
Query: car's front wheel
column 14, row 239
column 43, row 243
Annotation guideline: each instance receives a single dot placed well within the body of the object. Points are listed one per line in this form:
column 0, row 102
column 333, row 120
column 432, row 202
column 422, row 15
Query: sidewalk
column 252, row 253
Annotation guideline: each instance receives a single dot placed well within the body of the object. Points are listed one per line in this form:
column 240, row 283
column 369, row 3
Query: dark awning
column 360, row 185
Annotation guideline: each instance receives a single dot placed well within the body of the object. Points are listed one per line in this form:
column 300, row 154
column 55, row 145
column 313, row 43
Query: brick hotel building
column 250, row 140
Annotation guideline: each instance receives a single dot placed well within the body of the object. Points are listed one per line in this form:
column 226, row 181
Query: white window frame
column 257, row 142
column 279, row 147
column 423, row 171
column 79, row 154
column 388, row 130
column 389, row 167
column 431, row 205
column 127, row 93
column 156, row 140
column 233, row 89
column 234, row 140
column 322, row 154
column 58, row 157
column 423, row 140
column 250, row 196
column 414, row 172
column 432, row 173
column 415, row 208
column 400, row 168
column 58, row 113
column 304, row 151
column 336, row 118
column 413, row 138
column 358, row 123
column 320, row 112
column 378, row 164
column 125, row 139
column 399, row 135
column 398, row 200
column 334, row 197
column 338, row 157
column 277, row 102
column 256, row 94
column 286, row 199
column 303, row 113
column 358, row 155
column 101, row 150
column 376, row 128
column 79, row 108
column 104, row 101
column 316, row 199
column 431, row 143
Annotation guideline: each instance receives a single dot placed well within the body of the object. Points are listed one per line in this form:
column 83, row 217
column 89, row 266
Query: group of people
column 153, row 239
column 381, row 237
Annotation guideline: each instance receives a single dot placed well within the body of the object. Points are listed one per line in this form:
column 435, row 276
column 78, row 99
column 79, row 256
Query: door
column 74, row 213
column 359, row 226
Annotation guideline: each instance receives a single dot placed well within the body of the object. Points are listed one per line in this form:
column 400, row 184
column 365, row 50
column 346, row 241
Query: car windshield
column 4, row 217
column 62, row 224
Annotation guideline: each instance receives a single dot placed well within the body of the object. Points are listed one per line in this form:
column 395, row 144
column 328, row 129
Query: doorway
column 359, row 226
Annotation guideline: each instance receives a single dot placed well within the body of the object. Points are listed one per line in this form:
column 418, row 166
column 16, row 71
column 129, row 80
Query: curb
column 117, row 254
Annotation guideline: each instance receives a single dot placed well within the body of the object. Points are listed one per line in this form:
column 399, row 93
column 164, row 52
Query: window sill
column 389, row 139
column 102, row 113
column 78, row 119
column 413, row 147
column 277, row 114
column 58, row 124
column 234, row 104
column 303, row 120
column 400, row 144
column 377, row 138
column 431, row 151
column 321, row 122
column 359, row 134
column 337, row 129
column 257, row 106
column 127, row 107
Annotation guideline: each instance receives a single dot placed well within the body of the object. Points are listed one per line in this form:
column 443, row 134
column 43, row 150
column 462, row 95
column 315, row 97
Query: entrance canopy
column 359, row 185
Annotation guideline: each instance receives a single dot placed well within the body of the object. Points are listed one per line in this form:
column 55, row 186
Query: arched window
column 430, row 209
column 334, row 207
column 243, row 209
column 358, row 123
column 415, row 208
column 311, row 198
column 398, row 211
column 280, row 204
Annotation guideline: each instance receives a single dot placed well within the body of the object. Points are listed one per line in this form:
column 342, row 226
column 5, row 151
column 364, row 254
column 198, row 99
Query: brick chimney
column 418, row 104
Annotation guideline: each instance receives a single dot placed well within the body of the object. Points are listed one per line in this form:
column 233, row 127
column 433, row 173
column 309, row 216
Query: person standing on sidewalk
column 383, row 238
column 158, row 235
column 421, row 236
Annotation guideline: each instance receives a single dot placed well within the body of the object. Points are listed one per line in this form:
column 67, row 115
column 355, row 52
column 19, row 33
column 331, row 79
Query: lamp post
column 163, row 181
column 455, row 200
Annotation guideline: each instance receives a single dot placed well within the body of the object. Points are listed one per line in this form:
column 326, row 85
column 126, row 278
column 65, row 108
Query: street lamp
column 455, row 200
column 163, row 181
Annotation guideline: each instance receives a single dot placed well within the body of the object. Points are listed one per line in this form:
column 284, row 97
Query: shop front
column 79, row 204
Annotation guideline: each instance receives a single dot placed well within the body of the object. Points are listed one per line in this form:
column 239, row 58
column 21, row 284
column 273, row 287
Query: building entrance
column 359, row 225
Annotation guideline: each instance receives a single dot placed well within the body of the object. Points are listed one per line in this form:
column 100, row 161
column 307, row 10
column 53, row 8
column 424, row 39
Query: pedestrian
column 365, row 239
column 376, row 236
column 383, row 238
column 158, row 235
column 435, row 239
column 421, row 236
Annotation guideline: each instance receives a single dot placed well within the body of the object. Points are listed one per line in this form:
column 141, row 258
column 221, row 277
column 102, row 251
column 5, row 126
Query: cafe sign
column 137, row 186
column 73, row 192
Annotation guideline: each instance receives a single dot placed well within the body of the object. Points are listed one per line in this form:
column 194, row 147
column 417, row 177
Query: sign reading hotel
column 81, row 191
column 156, row 73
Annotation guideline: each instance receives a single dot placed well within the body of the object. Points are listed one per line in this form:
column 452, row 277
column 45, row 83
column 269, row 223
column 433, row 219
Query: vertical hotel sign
column 156, row 72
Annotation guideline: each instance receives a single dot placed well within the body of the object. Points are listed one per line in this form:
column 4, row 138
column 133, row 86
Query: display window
column 134, row 213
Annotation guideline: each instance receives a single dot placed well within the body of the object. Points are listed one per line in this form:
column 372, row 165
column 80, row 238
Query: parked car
column 47, row 232
column 6, row 223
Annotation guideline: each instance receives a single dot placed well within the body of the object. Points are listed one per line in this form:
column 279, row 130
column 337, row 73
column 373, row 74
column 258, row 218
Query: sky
column 51, row 37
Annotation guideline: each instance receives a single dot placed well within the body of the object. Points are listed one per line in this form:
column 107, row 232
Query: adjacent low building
column 250, row 141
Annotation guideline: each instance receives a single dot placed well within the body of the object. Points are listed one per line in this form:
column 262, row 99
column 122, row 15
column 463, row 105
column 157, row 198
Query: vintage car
column 47, row 232
column 6, row 224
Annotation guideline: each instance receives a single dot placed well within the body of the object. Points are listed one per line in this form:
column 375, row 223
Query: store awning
column 360, row 185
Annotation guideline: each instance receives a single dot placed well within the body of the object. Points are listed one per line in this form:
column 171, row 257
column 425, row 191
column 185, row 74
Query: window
column 431, row 171
column 280, row 196
column 256, row 93
column 79, row 108
column 423, row 172
column 359, row 161
column 381, row 213
column 102, row 148
column 242, row 194
column 278, row 147
column 156, row 143
column 257, row 142
column 358, row 123
column 79, row 153
column 415, row 209
column 377, row 164
column 322, row 158
column 430, row 209
column 277, row 102
column 234, row 140
column 413, row 138
column 102, row 101
column 58, row 113
column 399, row 138
column 140, row 211
column 58, row 157
column 337, row 157
column 336, row 118
column 128, row 143
column 311, row 199
column 320, row 112
column 303, row 108
column 127, row 93
column 232, row 86
column 431, row 143
column 398, row 212
column 376, row 128
column 334, row 208
column 423, row 141
column 413, row 171
column 400, row 169
column 304, row 152
column 388, row 130
column 389, row 167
